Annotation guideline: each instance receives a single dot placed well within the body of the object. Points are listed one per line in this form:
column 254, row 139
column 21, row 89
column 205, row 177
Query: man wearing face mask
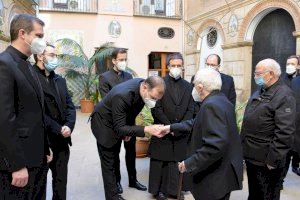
column 114, row 118
column 292, row 67
column 292, row 70
column 214, row 162
column 23, row 143
column 176, row 105
column 60, row 118
column 267, row 131
column 107, row 81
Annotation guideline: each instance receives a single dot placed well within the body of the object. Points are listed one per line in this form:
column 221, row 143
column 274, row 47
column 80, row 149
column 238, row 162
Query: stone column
column 237, row 61
column 296, row 34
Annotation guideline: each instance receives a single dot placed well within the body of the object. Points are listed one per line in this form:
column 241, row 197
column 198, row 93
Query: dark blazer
column 174, row 107
column 269, row 125
column 295, row 85
column 228, row 88
column 22, row 142
column 114, row 117
column 110, row 79
column 215, row 154
column 66, row 108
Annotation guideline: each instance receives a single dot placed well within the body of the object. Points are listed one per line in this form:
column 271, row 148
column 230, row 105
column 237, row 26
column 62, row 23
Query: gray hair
column 271, row 65
column 209, row 78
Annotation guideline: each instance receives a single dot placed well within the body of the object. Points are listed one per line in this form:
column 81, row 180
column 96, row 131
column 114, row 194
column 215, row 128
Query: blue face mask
column 51, row 65
column 259, row 81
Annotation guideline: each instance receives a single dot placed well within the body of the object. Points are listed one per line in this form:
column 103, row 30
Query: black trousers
column 108, row 158
column 34, row 190
column 264, row 184
column 163, row 177
column 59, row 169
column 129, row 158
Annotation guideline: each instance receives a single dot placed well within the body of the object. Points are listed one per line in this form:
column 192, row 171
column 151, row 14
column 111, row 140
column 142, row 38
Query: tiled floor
column 85, row 180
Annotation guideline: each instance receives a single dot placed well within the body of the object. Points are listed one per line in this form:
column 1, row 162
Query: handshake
column 157, row 130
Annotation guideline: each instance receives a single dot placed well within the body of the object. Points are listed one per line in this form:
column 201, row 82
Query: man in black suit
column 107, row 81
column 295, row 85
column 267, row 131
column 176, row 105
column 292, row 69
column 214, row 161
column 114, row 119
column 60, row 116
column 23, row 144
column 214, row 61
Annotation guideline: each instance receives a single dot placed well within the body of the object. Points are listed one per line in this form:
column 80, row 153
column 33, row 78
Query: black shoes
column 119, row 187
column 161, row 196
column 296, row 170
column 137, row 185
column 120, row 198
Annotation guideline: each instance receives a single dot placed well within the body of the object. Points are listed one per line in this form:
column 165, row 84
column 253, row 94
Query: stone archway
column 258, row 12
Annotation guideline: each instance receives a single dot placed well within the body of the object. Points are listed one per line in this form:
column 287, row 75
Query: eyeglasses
column 177, row 66
column 211, row 65
column 51, row 55
column 257, row 74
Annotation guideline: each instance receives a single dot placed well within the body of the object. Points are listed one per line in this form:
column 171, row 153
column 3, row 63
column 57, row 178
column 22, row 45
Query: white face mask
column 150, row 103
column 121, row 66
column 195, row 95
column 37, row 46
column 290, row 69
column 175, row 72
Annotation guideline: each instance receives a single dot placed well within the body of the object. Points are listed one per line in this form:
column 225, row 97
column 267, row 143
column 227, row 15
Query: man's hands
column 270, row 167
column 49, row 157
column 157, row 130
column 20, row 178
column 66, row 131
column 126, row 138
column 181, row 167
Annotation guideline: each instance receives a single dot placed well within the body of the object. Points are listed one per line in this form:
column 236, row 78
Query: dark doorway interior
column 273, row 38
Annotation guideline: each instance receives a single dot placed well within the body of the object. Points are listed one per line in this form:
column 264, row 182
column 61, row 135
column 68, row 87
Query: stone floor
column 85, row 180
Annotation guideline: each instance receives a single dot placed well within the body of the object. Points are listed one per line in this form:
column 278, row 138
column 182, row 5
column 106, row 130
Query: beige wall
column 237, row 49
column 139, row 34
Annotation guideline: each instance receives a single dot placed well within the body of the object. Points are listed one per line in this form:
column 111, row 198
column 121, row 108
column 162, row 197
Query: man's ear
column 114, row 61
column 40, row 57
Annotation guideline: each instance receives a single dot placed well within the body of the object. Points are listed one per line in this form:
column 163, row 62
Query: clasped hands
column 157, row 130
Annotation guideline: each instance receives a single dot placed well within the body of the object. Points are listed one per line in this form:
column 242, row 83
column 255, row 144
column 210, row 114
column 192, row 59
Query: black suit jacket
column 295, row 85
column 215, row 152
column 114, row 117
column 65, row 106
column 110, row 79
column 228, row 88
column 174, row 107
column 22, row 142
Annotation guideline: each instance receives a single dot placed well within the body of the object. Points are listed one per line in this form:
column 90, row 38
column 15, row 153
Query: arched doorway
column 273, row 38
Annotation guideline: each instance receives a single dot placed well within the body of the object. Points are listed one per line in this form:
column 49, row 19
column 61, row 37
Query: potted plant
column 76, row 65
column 142, row 144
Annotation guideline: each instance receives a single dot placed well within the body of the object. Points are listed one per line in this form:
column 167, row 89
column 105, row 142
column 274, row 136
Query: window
column 158, row 63
column 60, row 4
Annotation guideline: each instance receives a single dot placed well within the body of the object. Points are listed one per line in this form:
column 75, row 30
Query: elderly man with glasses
column 267, row 131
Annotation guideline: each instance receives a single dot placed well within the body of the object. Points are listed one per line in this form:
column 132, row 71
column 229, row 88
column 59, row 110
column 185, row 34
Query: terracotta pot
column 141, row 146
column 87, row 106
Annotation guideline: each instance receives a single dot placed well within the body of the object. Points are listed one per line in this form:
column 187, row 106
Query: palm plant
column 76, row 65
